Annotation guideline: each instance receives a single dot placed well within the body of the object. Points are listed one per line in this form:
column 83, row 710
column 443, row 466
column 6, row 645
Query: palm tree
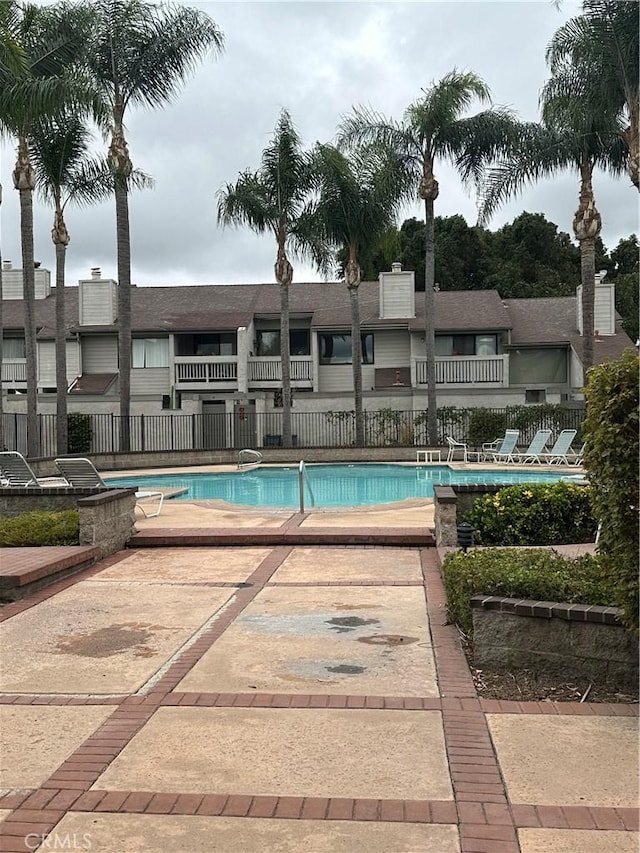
column 596, row 57
column 434, row 128
column 65, row 173
column 50, row 40
column 272, row 200
column 139, row 54
column 573, row 137
column 358, row 201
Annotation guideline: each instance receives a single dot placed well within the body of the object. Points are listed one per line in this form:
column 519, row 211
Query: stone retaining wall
column 107, row 516
column 565, row 640
column 451, row 500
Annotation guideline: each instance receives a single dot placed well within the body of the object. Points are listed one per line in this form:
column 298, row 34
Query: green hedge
column 534, row 514
column 538, row 574
column 611, row 432
column 40, row 528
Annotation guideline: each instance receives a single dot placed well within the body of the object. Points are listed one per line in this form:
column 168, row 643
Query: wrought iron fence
column 94, row 434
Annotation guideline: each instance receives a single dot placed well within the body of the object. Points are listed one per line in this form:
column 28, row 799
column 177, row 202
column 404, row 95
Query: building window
column 466, row 345
column 150, row 352
column 535, row 395
column 546, row 366
column 268, row 342
column 167, row 402
column 213, row 343
column 13, row 348
column 336, row 349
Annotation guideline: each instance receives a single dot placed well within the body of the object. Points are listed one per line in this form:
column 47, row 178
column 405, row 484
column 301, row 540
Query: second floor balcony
column 491, row 371
column 266, row 371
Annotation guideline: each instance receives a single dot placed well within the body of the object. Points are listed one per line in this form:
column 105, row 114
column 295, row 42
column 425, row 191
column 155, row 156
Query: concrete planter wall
column 565, row 640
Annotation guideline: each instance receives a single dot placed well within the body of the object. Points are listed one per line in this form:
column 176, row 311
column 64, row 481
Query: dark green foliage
column 534, row 514
column 80, row 432
column 485, row 425
column 611, row 458
column 40, row 528
column 540, row 574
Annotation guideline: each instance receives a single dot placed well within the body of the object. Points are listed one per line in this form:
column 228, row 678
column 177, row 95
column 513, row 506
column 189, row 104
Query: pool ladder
column 247, row 458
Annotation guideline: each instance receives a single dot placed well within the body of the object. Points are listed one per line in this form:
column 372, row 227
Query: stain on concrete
column 112, row 640
column 358, row 606
column 388, row 640
column 341, row 624
column 346, row 669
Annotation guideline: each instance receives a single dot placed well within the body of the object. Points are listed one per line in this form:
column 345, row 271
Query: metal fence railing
column 94, row 434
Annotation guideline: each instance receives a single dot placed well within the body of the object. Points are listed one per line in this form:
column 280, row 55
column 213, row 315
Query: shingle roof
column 223, row 307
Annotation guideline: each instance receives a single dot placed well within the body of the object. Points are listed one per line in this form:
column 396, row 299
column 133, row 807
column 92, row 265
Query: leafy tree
column 358, row 198
column 139, row 55
column 595, row 57
column 272, row 200
column 434, row 128
column 66, row 173
column 42, row 46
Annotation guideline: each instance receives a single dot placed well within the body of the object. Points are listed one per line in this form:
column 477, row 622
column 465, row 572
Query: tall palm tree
column 571, row 136
column 272, row 200
column 596, row 57
column 358, row 199
column 140, row 54
column 51, row 40
column 66, row 173
column 434, row 128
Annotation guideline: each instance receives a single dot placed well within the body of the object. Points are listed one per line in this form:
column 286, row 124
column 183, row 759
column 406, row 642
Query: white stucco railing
column 218, row 368
column 267, row 369
column 466, row 370
column 14, row 370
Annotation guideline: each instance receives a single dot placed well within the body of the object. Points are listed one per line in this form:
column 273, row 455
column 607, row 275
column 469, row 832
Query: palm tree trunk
column 284, row 277
column 352, row 277
column 586, row 227
column 430, row 330
column 60, row 237
column 122, row 166
column 24, row 182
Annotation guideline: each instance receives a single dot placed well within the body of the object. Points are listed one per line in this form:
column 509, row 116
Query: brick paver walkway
column 219, row 726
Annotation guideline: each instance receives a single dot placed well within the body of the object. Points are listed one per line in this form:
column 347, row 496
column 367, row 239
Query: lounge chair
column 455, row 446
column 561, row 449
column 82, row 473
column 535, row 451
column 507, row 450
column 16, row 471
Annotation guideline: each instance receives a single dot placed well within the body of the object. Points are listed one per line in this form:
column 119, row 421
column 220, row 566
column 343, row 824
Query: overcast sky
column 317, row 60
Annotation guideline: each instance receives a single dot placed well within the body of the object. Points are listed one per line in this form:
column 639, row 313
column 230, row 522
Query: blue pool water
column 327, row 485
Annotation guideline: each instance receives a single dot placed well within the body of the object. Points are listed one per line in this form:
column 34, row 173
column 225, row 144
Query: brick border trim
column 549, row 609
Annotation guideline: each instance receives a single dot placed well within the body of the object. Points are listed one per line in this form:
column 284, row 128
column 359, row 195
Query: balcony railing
column 267, row 369
column 466, row 370
column 14, row 370
column 208, row 370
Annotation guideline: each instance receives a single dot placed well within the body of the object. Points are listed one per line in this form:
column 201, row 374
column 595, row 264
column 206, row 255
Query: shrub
column 534, row 514
column 541, row 574
column 486, row 425
column 611, row 458
column 80, row 432
column 40, row 528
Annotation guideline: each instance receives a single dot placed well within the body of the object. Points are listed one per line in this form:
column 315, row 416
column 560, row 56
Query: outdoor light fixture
column 465, row 532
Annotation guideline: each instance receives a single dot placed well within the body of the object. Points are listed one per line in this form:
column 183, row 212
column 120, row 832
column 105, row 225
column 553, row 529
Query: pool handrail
column 257, row 458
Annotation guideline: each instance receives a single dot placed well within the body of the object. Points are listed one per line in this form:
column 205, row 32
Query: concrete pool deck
column 241, row 699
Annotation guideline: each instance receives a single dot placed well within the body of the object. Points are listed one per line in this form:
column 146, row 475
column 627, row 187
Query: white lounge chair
column 535, row 451
column 507, row 450
column 454, row 447
column 558, row 455
column 82, row 473
column 15, row 471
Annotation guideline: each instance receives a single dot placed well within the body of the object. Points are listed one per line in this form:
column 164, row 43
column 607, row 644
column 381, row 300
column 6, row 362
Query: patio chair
column 576, row 458
column 455, row 446
column 561, row 449
column 535, row 451
column 16, row 471
column 507, row 450
column 82, row 473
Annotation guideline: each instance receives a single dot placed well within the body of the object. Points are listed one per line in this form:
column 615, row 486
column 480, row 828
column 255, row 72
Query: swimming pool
column 327, row 485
